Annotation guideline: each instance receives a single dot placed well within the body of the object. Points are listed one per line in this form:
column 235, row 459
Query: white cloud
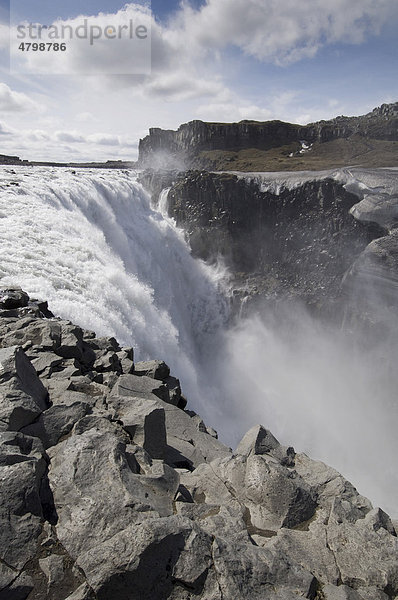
column 283, row 32
column 65, row 146
column 178, row 86
column 104, row 139
column 232, row 111
column 71, row 137
column 187, row 52
column 4, row 130
column 11, row 101
column 85, row 117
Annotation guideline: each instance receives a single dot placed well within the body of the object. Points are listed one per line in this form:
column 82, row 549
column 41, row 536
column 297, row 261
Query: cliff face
column 203, row 145
column 11, row 160
column 193, row 137
column 112, row 490
column 294, row 243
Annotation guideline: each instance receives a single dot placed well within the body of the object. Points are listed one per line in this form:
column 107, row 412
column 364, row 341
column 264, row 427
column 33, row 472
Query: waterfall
column 90, row 243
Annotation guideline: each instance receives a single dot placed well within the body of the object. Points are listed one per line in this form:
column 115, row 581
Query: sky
column 214, row 60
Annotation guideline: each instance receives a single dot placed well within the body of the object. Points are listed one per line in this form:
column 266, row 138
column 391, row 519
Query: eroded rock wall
column 295, row 243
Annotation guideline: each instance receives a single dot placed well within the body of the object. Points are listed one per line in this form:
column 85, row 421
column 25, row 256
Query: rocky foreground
column 112, row 490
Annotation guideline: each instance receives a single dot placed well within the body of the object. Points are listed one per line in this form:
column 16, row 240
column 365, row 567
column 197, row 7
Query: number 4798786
column 42, row 47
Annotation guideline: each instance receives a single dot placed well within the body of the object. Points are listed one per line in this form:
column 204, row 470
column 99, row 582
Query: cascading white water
column 91, row 244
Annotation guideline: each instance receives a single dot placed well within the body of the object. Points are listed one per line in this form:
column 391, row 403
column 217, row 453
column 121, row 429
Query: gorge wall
column 293, row 242
column 274, row 145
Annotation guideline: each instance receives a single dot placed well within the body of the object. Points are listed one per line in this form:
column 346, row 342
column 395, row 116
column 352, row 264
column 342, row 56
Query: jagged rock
column 53, row 568
column 341, row 592
column 277, row 498
column 70, row 367
column 363, row 556
column 7, row 576
column 144, row 421
column 106, row 361
column 101, row 343
column 71, row 344
column 200, row 424
column 22, row 469
column 249, row 572
column 175, row 395
column 67, row 395
column 84, row 592
column 334, row 492
column 307, row 547
column 45, row 363
column 274, row 496
column 146, row 560
column 93, row 391
column 22, row 395
column 372, row 593
column 57, row 422
column 187, row 445
column 13, row 298
column 126, row 360
column 156, row 369
column 19, row 589
column 39, row 333
column 140, row 387
column 377, row 519
column 259, row 440
column 95, row 480
column 43, row 308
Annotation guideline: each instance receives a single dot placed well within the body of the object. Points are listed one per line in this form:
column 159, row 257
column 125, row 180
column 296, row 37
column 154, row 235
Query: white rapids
column 89, row 242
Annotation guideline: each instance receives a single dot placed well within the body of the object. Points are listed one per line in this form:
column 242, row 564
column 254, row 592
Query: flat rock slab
column 22, row 394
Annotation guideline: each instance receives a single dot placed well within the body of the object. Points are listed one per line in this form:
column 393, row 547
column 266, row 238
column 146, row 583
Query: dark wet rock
column 278, row 242
column 13, row 298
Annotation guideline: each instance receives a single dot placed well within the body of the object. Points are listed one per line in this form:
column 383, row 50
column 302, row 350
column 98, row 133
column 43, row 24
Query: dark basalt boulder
column 13, row 298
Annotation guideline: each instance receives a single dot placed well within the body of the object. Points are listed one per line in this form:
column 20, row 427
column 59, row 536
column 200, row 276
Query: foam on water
column 89, row 242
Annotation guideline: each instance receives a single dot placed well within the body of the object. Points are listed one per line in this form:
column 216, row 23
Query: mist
column 329, row 392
